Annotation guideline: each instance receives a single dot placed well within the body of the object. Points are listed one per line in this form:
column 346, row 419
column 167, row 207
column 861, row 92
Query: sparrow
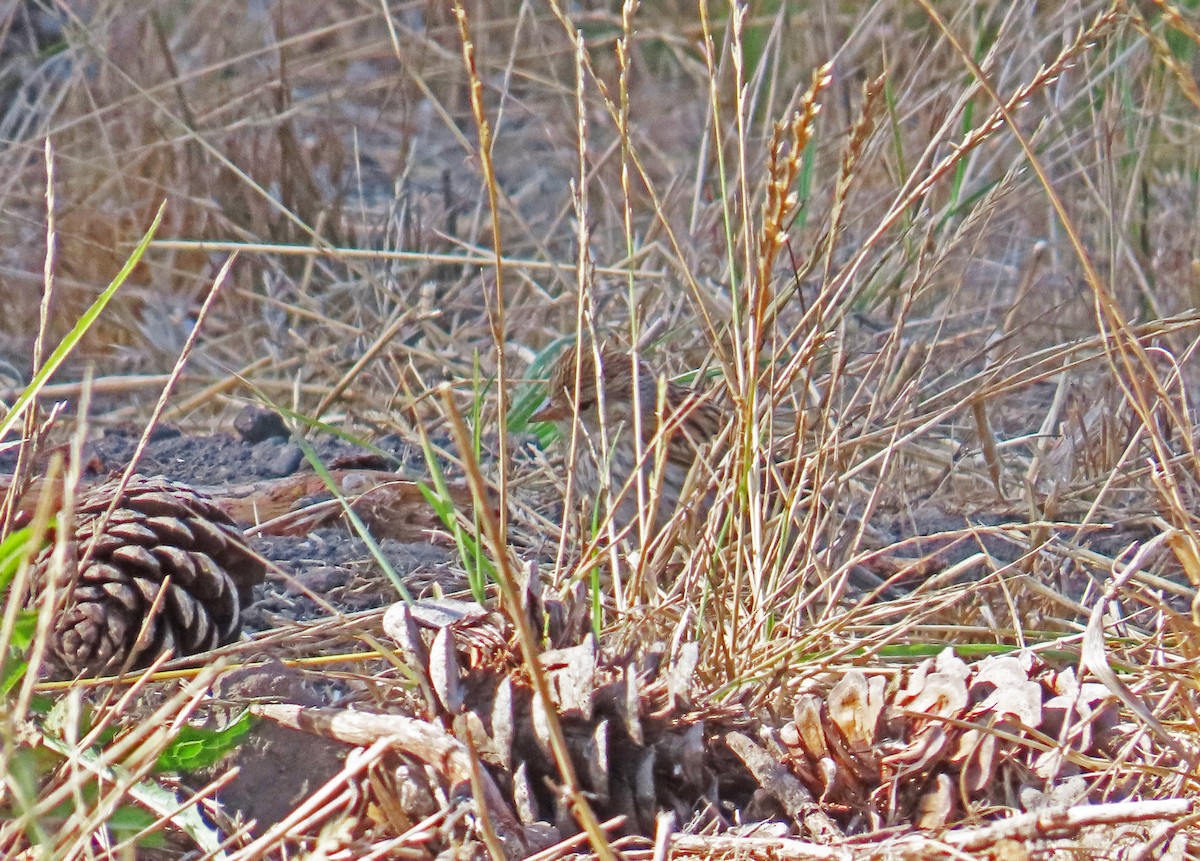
column 642, row 441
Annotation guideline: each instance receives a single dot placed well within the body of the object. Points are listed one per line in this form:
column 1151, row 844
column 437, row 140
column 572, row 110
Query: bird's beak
column 548, row 411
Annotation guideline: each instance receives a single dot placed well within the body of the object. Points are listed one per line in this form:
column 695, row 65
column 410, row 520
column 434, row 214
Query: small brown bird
column 683, row 441
column 680, row 433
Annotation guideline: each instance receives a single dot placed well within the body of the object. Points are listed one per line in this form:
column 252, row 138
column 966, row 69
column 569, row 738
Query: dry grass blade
column 496, row 311
column 507, row 582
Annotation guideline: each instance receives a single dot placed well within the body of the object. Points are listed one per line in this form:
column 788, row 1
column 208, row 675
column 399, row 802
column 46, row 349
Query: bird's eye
column 587, row 400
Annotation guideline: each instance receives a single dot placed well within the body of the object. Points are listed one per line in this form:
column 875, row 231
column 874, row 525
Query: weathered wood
column 390, row 506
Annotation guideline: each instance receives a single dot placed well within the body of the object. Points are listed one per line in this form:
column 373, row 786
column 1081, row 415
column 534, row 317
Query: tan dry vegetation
column 962, row 268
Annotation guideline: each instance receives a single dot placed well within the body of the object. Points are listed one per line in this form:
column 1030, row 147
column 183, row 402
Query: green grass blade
column 85, row 321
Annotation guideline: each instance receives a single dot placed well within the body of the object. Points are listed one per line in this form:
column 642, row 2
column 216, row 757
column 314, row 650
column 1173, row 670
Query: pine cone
column 162, row 529
column 947, row 734
column 637, row 741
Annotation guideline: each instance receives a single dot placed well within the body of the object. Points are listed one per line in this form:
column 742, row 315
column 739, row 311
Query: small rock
column 273, row 459
column 256, row 423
